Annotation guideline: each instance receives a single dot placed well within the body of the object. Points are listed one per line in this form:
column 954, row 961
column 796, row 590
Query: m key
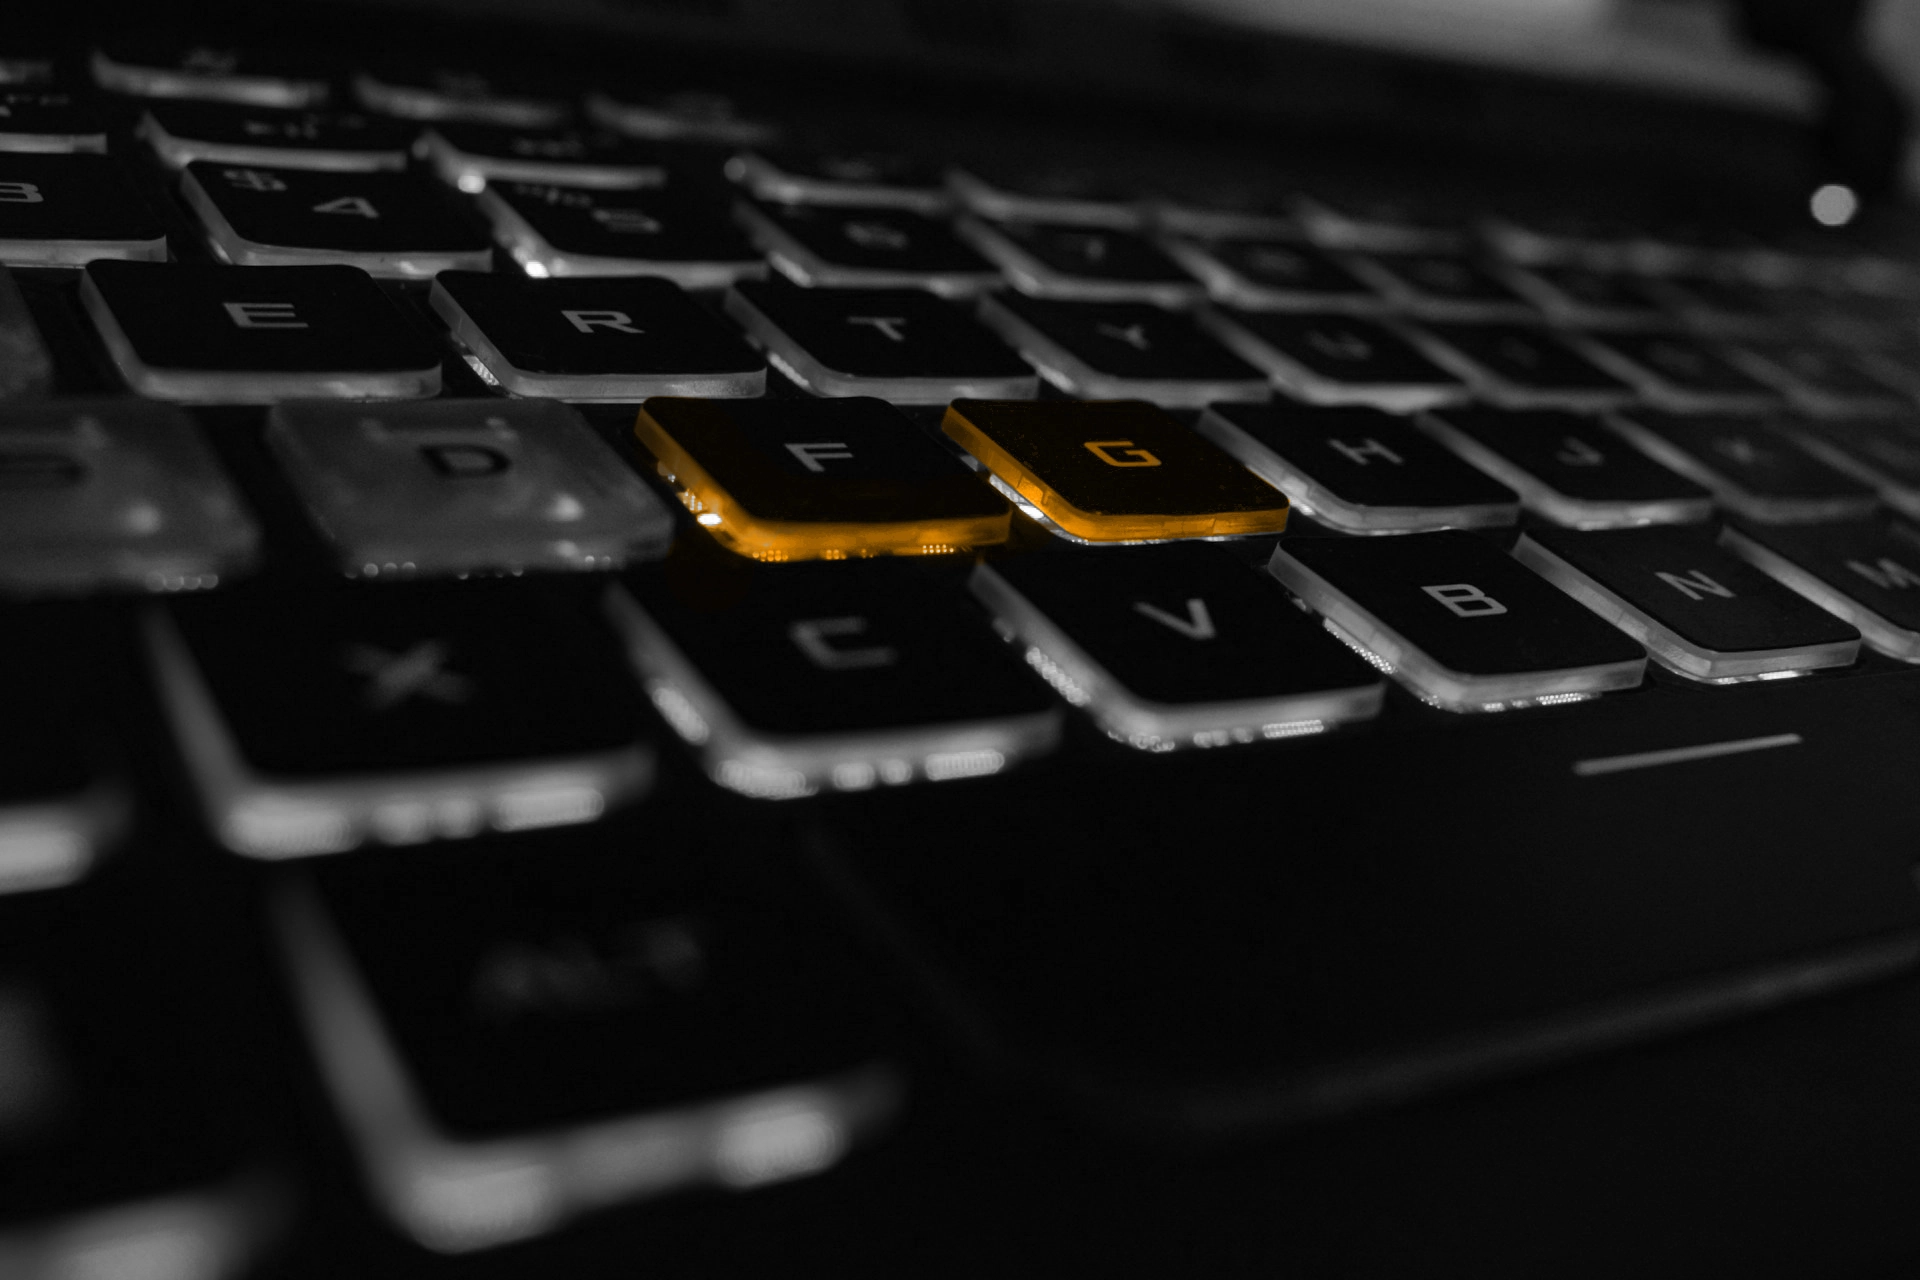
column 1866, row 572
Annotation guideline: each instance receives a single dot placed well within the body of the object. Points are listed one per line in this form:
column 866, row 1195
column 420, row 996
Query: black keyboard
column 613, row 677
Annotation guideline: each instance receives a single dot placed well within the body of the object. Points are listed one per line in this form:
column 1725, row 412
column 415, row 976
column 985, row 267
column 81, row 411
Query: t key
column 67, row 210
column 1325, row 359
column 1867, row 573
column 1118, row 350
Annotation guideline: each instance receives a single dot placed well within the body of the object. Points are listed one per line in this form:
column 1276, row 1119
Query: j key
column 866, row 248
column 832, row 676
column 1702, row 611
column 1359, row 470
column 513, row 1056
column 1114, row 350
column 469, row 156
column 1329, row 359
column 1457, row 620
column 679, row 115
column 1818, row 379
column 1521, row 367
column 151, row 69
column 398, row 225
column 819, row 479
column 1177, row 646
column 114, row 493
column 842, row 179
column 416, row 91
column 1275, row 275
column 65, row 210
column 220, row 336
column 576, row 231
column 1047, row 193
column 1569, row 469
column 45, row 118
column 903, row 345
column 610, row 338
column 1114, row 471
column 1678, row 372
column 1882, row 454
column 1443, row 286
column 183, row 132
column 458, row 487
column 317, row 722
column 1754, row 468
column 1865, row 573
column 1093, row 264
column 1579, row 295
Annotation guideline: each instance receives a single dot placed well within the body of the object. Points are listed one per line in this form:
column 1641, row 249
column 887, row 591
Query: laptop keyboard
column 761, row 631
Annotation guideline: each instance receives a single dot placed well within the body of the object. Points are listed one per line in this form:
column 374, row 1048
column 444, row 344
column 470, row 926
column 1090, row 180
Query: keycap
column 678, row 114
column 1568, row 468
column 879, row 180
column 1334, row 359
column 182, row 132
column 26, row 363
column 458, row 487
column 215, row 335
column 49, row 118
column 589, row 1028
column 416, row 90
column 576, row 231
column 1679, row 373
column 1225, row 212
column 65, row 210
column 1091, row 264
column 1882, row 454
column 469, row 156
column 606, row 338
column 1457, row 620
column 312, row 722
column 1275, row 275
column 1048, row 192
column 1582, row 295
column 1520, row 367
column 903, row 345
column 1176, row 646
column 1702, row 611
column 1753, row 467
column 162, row 69
column 866, row 249
column 1443, row 286
column 1724, row 306
column 1818, row 379
column 1116, row 350
column 396, row 225
column 1359, row 470
column 819, row 479
column 1862, row 572
column 1370, row 221
column 1114, row 471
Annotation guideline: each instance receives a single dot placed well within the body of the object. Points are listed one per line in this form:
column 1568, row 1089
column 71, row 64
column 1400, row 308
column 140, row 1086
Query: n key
column 1867, row 573
column 67, row 210
column 1754, row 468
column 1336, row 360
column 1117, row 350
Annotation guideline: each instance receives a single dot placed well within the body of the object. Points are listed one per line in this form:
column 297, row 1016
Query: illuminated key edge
column 177, row 153
column 78, row 253
column 1074, row 376
column 540, row 259
column 1879, row 632
column 1427, row 678
column 161, row 82
column 1304, row 384
column 657, row 124
column 990, row 201
column 1486, row 384
column 50, row 843
column 408, row 102
column 470, row 171
column 1229, row 287
column 1902, row 496
column 1669, row 395
column 54, row 144
column 1729, row 493
column 768, row 181
column 1034, row 277
column 206, row 1232
column 1672, row 650
column 1802, row 394
column 1406, row 298
column 805, row 267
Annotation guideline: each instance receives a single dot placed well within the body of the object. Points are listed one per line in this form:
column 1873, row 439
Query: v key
column 1197, row 625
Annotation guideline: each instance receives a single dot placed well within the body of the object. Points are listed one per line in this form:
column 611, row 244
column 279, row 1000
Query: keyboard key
column 1679, row 373
column 65, row 210
column 1177, row 646
column 679, row 115
column 1752, row 466
column 512, row 1055
column 1443, row 286
column 469, row 156
column 315, row 722
column 1457, row 620
column 1568, row 468
column 159, row 69
column 1092, row 264
column 866, row 249
column 1114, row 471
column 459, row 487
column 903, row 345
column 1818, row 379
column 397, row 225
column 1702, row 611
column 1726, row 306
column 819, row 479
column 1275, row 275
column 1884, row 455
column 1520, row 367
column 46, row 118
column 1359, row 470
column 420, row 91
column 811, row 677
column 843, row 179
column 616, row 338
column 182, row 132
column 1864, row 573
column 1116, row 350
column 1335, row 360
column 1224, row 212
column 1052, row 192
column 1379, row 223
column 1578, row 295
column 575, row 231
column 220, row 336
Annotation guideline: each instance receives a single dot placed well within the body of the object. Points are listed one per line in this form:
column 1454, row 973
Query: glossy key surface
column 65, row 210
column 50, row 118
column 1092, row 264
column 1336, row 359
column 1754, row 466
column 580, row 231
column 1113, row 350
column 1522, row 367
column 866, row 248
column 148, row 67
column 1680, row 372
column 799, row 176
column 1278, row 275
column 1864, row 572
column 183, row 132
column 419, row 89
column 1444, row 286
column 469, row 156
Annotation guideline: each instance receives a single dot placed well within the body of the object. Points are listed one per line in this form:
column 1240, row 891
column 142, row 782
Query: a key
column 1051, row 192
column 903, row 345
column 220, row 336
column 459, row 487
column 314, row 722
column 50, row 118
column 65, row 210
column 1091, row 264
column 1679, row 373
column 1583, row 295
column 159, row 69
column 1336, row 360
column 1177, row 646
column 1819, row 379
column 1883, row 454
column 618, row 338
column 1752, row 466
column 577, row 231
column 262, row 137
column 420, row 91
column 866, row 248
column 398, row 225
column 469, row 156
column 1568, row 469
column 1115, row 350
column 512, row 1054
column 1521, row 367
column 1702, row 611
column 1457, row 620
column 1865, row 573
column 679, row 115
column 840, row 178
column 1443, row 286
column 819, row 479
column 1275, row 275
column 1114, row 471
column 1359, row 470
